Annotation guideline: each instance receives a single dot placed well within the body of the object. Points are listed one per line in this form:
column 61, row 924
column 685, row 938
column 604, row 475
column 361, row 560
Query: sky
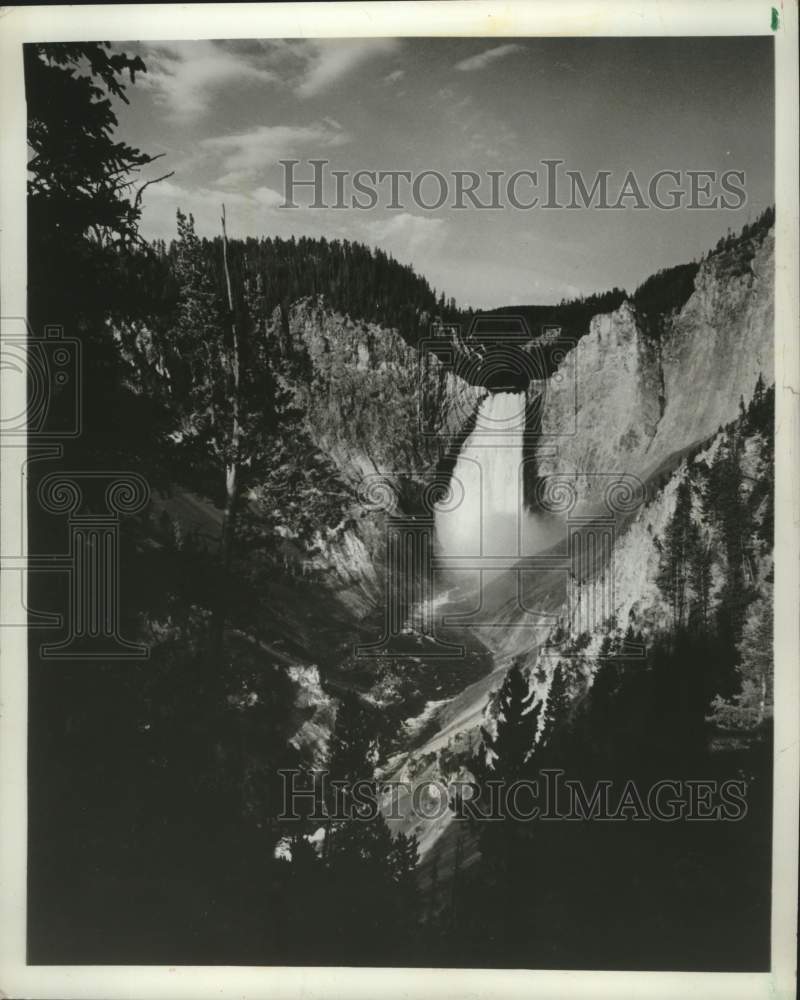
column 224, row 113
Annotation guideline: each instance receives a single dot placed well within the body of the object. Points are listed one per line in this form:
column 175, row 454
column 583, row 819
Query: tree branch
column 147, row 184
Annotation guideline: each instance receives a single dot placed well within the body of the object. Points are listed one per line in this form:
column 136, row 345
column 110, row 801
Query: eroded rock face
column 375, row 404
column 386, row 415
column 716, row 348
column 624, row 402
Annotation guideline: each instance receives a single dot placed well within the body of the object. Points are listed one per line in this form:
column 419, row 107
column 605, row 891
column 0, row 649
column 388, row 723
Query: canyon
column 623, row 406
column 624, row 412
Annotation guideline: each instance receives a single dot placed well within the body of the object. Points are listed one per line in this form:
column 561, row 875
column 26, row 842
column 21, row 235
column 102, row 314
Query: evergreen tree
column 228, row 419
column 353, row 747
column 726, row 503
column 403, row 861
column 81, row 178
column 684, row 576
column 505, row 845
column 673, row 578
column 352, row 754
column 700, row 564
column 752, row 705
column 517, row 723
column 372, row 876
column 557, row 707
column 84, row 206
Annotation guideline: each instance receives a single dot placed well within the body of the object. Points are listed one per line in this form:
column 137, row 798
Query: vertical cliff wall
column 625, row 400
column 374, row 404
column 386, row 414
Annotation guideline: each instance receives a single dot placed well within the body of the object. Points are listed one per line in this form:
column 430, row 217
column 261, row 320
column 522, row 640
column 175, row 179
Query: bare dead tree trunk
column 232, row 470
column 229, row 515
column 228, row 534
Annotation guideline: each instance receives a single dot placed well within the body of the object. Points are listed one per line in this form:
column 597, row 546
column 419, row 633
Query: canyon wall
column 626, row 401
column 387, row 416
column 659, row 408
column 376, row 405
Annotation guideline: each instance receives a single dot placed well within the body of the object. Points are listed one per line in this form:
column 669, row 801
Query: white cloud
column 249, row 213
column 329, row 60
column 165, row 189
column 395, row 76
column 268, row 197
column 487, row 57
column 184, row 75
column 246, row 153
column 406, row 236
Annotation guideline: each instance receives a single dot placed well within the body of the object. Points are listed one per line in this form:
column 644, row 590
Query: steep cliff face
column 640, row 554
column 376, row 405
column 625, row 401
column 386, row 415
column 715, row 349
column 695, row 560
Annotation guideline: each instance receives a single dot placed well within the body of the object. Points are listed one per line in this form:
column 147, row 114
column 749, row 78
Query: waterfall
column 485, row 516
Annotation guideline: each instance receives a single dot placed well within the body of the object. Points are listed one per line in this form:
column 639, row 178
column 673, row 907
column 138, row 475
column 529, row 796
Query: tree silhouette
column 685, row 568
column 557, row 707
column 84, row 205
column 227, row 415
column 517, row 723
column 82, row 190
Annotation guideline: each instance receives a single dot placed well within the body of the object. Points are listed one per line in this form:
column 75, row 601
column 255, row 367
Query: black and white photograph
column 400, row 509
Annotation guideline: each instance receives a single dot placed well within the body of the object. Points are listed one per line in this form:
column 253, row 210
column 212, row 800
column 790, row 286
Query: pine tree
column 516, row 728
column 352, row 752
column 227, row 419
column 557, row 707
column 505, row 844
column 373, row 879
column 725, row 502
column 403, row 861
column 752, row 705
column 673, row 577
column 700, row 562
column 354, row 743
column 84, row 207
column 80, row 179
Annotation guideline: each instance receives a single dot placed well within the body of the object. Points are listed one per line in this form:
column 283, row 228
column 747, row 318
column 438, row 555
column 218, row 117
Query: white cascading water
column 486, row 517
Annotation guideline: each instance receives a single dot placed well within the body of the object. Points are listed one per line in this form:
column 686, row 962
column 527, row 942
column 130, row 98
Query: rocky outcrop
column 716, row 347
column 376, row 405
column 625, row 401
column 387, row 415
